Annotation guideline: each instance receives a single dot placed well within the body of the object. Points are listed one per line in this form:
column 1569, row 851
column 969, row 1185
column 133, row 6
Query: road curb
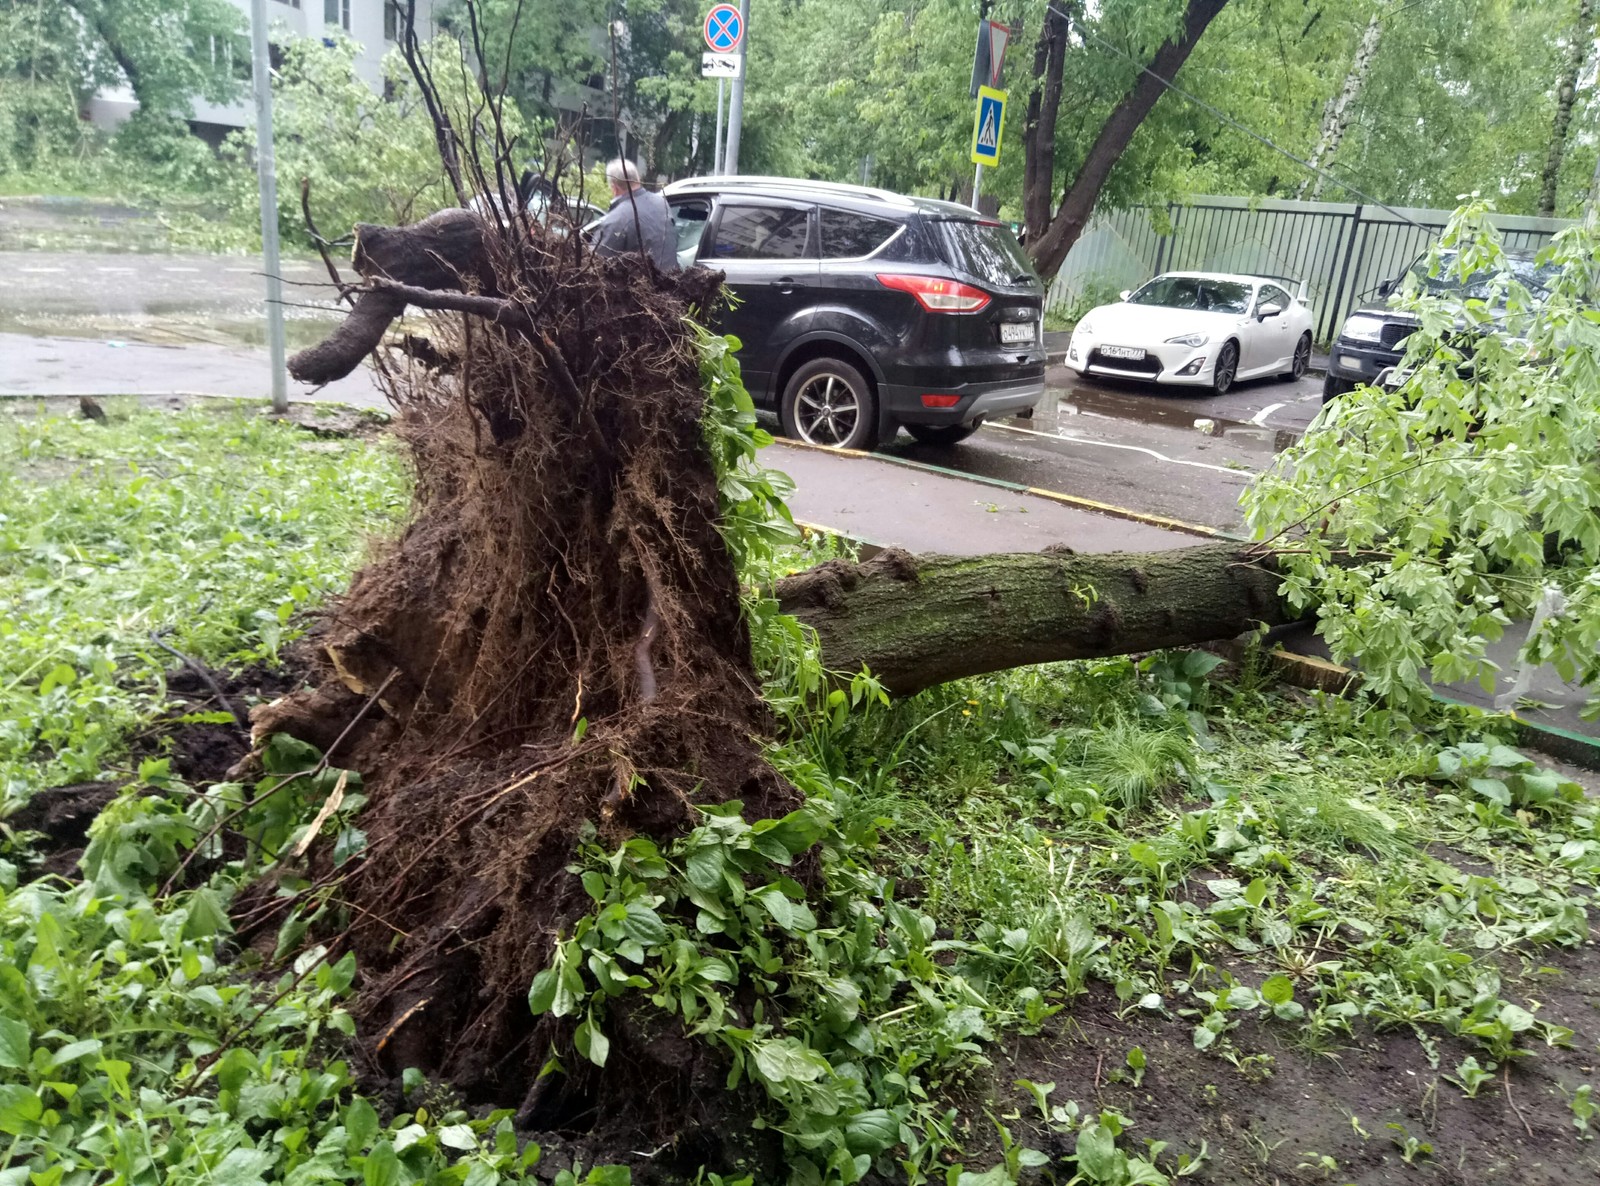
column 1071, row 500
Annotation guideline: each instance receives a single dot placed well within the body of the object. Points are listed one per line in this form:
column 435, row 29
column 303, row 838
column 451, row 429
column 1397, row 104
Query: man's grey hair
column 622, row 172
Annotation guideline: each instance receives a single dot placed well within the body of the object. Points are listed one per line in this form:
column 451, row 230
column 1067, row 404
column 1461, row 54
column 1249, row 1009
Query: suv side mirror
column 1124, row 294
column 1387, row 288
column 1272, row 310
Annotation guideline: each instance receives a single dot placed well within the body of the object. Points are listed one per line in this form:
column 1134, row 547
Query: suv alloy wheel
column 828, row 402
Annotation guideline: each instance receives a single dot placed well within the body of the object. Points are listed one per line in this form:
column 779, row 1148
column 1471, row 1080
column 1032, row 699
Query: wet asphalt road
column 1165, row 451
column 1161, row 450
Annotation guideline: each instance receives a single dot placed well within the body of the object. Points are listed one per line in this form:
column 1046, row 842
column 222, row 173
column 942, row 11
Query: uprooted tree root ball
column 553, row 643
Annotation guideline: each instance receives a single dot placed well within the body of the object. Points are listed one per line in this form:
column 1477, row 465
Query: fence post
column 1344, row 274
column 1161, row 247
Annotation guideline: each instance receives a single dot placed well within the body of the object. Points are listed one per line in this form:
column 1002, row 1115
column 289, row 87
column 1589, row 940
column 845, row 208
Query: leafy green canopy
column 56, row 54
column 1422, row 522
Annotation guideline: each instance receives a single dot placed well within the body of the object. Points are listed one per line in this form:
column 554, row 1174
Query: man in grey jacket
column 637, row 221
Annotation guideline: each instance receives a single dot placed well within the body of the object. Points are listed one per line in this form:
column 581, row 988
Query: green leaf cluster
column 210, row 528
column 1420, row 523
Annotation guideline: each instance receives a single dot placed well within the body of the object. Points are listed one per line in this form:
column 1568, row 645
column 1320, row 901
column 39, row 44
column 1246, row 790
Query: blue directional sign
column 988, row 127
column 724, row 29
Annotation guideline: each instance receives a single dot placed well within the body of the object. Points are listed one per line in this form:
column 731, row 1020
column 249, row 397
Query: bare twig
column 322, row 244
column 1528, row 1128
column 205, row 676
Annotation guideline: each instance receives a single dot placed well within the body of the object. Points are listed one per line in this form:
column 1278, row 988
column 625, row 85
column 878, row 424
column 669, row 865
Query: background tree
column 169, row 52
column 368, row 158
column 1580, row 41
column 1459, row 100
column 1336, row 118
column 56, row 54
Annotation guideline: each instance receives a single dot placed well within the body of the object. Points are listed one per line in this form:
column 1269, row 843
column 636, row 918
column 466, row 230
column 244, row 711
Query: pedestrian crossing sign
column 988, row 127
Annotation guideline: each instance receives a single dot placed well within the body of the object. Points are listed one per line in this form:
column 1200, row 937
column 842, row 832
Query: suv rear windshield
column 1479, row 285
column 985, row 250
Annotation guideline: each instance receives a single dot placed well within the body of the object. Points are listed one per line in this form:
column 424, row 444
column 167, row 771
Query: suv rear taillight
column 938, row 296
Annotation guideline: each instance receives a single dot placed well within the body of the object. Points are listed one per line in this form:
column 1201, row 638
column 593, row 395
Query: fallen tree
column 554, row 653
column 916, row 621
column 554, row 646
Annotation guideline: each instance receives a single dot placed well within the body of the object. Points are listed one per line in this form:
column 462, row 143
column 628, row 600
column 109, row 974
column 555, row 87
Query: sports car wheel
column 1227, row 367
column 1302, row 358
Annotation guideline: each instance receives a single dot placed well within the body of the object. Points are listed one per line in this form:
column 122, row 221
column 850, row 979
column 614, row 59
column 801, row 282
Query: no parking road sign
column 988, row 127
column 724, row 29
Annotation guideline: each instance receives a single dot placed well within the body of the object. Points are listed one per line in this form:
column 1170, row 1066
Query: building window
column 336, row 12
column 392, row 21
column 290, row 3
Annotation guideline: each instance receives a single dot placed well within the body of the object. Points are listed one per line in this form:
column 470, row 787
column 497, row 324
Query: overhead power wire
column 1233, row 123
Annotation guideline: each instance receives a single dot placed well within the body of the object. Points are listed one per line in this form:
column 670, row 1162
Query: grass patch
column 209, row 529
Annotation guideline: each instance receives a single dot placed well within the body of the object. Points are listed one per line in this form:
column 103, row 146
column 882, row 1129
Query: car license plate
column 1131, row 353
column 1018, row 331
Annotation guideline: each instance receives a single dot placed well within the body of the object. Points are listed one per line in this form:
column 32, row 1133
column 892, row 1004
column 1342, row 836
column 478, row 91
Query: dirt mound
column 554, row 642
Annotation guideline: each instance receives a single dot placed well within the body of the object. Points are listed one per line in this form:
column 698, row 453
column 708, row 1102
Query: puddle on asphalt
column 1062, row 406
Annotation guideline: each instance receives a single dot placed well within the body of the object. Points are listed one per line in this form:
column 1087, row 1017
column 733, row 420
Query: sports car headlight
column 1363, row 329
column 1084, row 327
column 1189, row 340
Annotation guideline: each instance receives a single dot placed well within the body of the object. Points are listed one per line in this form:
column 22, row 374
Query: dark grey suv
column 862, row 311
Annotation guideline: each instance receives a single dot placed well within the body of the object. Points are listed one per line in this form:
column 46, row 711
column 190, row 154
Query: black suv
column 1373, row 340
column 860, row 311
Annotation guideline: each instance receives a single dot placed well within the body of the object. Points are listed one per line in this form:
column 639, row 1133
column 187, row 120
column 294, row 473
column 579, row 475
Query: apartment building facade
column 375, row 25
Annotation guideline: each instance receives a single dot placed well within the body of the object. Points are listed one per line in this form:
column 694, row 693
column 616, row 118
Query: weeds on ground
column 207, row 530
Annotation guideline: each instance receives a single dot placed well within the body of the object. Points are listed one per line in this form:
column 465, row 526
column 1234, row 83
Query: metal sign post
column 736, row 103
column 987, row 62
column 987, row 129
column 716, row 147
column 266, row 177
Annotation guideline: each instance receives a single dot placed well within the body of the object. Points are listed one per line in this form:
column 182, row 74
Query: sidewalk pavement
column 95, row 366
column 889, row 502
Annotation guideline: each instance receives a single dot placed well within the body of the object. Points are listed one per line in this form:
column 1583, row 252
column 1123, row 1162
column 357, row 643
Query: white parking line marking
column 180, row 269
column 40, row 271
column 113, row 269
column 1034, row 432
column 1260, row 418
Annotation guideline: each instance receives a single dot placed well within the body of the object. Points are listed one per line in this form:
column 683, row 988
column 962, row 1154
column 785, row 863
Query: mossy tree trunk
column 917, row 621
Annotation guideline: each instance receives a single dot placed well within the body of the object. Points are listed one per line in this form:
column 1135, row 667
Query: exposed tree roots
column 562, row 564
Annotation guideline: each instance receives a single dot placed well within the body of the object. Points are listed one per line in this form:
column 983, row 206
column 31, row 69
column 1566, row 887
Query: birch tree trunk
column 1336, row 116
column 1566, row 96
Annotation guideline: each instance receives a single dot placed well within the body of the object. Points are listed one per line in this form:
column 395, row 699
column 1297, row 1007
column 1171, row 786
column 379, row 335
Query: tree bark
column 1336, row 116
column 100, row 23
column 1039, row 134
column 1566, row 95
column 1050, row 249
column 444, row 252
column 917, row 621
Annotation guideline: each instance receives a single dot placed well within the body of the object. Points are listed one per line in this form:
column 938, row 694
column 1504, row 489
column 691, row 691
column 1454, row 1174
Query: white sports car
column 1202, row 329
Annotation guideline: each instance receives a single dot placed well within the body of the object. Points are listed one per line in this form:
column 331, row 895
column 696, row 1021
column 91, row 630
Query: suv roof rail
column 842, row 189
